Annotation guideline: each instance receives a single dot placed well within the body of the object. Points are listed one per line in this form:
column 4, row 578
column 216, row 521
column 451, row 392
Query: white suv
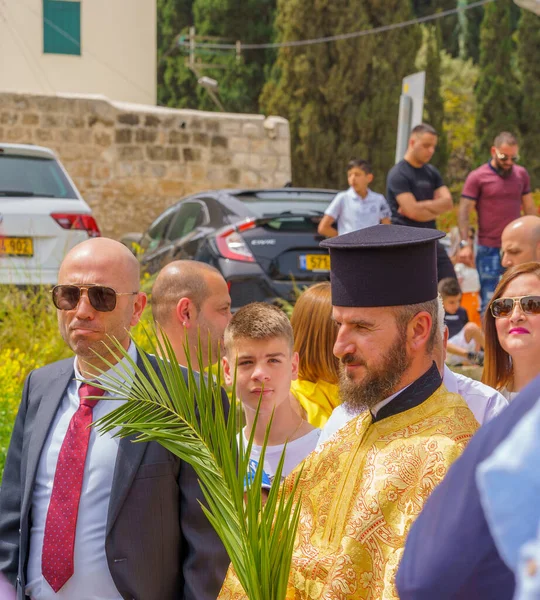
column 42, row 215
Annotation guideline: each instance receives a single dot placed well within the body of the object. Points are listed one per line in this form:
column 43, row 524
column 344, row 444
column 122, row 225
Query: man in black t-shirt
column 416, row 192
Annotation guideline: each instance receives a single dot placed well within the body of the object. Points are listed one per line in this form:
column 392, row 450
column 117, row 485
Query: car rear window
column 314, row 204
column 31, row 176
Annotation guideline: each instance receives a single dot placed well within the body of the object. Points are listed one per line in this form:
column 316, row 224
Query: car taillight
column 77, row 221
column 232, row 245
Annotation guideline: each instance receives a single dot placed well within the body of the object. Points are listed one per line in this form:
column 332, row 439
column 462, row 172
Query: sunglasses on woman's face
column 101, row 297
column 504, row 307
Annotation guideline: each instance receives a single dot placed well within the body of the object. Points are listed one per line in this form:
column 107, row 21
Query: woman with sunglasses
column 512, row 330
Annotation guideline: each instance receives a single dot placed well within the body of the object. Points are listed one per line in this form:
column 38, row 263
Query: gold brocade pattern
column 361, row 491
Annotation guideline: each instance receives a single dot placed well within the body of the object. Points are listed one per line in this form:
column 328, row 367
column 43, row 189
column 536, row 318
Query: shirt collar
column 413, row 395
column 494, row 169
column 352, row 191
column 375, row 409
column 124, row 366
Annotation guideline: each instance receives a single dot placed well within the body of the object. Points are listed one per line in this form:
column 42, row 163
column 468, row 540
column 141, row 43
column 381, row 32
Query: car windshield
column 303, row 204
column 23, row 176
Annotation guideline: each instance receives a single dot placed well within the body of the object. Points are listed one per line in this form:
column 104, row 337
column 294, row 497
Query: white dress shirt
column 352, row 212
column 483, row 401
column 91, row 579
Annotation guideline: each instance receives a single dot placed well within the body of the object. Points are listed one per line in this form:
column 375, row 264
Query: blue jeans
column 488, row 264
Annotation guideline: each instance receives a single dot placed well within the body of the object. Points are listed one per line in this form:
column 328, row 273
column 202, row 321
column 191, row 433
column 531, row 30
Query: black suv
column 264, row 242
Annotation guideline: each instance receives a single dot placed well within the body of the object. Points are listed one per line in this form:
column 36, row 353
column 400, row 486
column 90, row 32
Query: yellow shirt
column 361, row 492
column 318, row 399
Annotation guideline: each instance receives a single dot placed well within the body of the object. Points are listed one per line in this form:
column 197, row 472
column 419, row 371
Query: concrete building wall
column 131, row 161
column 118, row 51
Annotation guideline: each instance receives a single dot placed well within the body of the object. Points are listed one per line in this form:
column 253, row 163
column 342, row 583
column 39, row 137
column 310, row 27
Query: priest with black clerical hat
column 361, row 491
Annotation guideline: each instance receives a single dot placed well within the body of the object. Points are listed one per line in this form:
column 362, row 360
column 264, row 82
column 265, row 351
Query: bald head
column 520, row 241
column 87, row 329
column 111, row 258
column 181, row 279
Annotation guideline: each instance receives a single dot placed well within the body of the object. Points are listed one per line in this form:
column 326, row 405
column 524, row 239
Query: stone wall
column 132, row 161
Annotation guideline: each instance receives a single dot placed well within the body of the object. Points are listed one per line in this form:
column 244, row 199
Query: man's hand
column 412, row 209
column 326, row 227
column 466, row 256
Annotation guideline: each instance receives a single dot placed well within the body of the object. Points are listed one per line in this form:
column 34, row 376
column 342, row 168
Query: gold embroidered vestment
column 361, row 491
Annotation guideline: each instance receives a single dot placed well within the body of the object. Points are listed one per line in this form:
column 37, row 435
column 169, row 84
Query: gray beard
column 379, row 383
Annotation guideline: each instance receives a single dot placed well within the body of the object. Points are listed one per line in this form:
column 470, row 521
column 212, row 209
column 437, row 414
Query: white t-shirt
column 510, row 396
column 352, row 212
column 468, row 278
column 484, row 402
column 296, row 452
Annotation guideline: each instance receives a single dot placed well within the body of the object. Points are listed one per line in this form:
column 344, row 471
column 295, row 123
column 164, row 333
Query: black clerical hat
column 383, row 265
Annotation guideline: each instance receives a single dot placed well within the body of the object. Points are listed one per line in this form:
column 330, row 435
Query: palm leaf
column 188, row 419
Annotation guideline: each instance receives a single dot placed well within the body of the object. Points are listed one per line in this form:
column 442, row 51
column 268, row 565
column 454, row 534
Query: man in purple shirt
column 498, row 190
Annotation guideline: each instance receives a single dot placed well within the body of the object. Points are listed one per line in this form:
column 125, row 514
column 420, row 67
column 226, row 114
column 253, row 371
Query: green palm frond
column 188, row 419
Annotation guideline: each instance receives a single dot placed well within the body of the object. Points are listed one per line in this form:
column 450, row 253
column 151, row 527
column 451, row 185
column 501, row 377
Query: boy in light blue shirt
column 357, row 207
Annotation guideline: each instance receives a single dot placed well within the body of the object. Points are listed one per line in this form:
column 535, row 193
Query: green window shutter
column 61, row 27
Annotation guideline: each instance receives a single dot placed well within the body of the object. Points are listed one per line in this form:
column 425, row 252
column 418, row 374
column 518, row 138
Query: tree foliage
column 529, row 67
column 433, row 103
column 176, row 84
column 458, row 80
column 240, row 78
column 497, row 90
column 341, row 98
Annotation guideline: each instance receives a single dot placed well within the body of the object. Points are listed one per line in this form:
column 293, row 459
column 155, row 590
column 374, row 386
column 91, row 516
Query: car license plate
column 16, row 246
column 315, row 262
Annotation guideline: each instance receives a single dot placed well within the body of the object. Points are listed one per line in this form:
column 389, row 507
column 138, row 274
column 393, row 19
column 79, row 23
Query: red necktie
column 61, row 522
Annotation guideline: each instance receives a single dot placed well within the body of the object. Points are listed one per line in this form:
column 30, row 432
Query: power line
column 341, row 36
column 25, row 51
column 66, row 35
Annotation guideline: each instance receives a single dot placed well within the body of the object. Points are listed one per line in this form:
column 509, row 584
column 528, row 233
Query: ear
column 185, row 312
column 369, row 177
column 138, row 307
column 294, row 363
column 419, row 331
column 227, row 374
column 493, row 151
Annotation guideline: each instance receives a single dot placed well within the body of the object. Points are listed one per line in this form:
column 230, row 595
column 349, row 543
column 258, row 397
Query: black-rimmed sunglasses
column 101, row 297
column 504, row 307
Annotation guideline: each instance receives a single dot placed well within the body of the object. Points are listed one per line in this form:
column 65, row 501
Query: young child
column 357, row 207
column 465, row 339
column 259, row 340
column 469, row 282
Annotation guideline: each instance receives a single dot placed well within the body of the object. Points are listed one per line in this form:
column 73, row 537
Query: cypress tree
column 176, row 84
column 433, row 103
column 497, row 91
column 342, row 97
column 529, row 66
column 240, row 78
column 449, row 25
column 470, row 32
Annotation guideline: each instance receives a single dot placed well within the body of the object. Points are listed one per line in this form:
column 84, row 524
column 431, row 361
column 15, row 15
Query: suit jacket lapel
column 48, row 406
column 129, row 458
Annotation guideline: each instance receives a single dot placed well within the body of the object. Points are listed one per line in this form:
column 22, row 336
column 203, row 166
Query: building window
column 61, row 27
